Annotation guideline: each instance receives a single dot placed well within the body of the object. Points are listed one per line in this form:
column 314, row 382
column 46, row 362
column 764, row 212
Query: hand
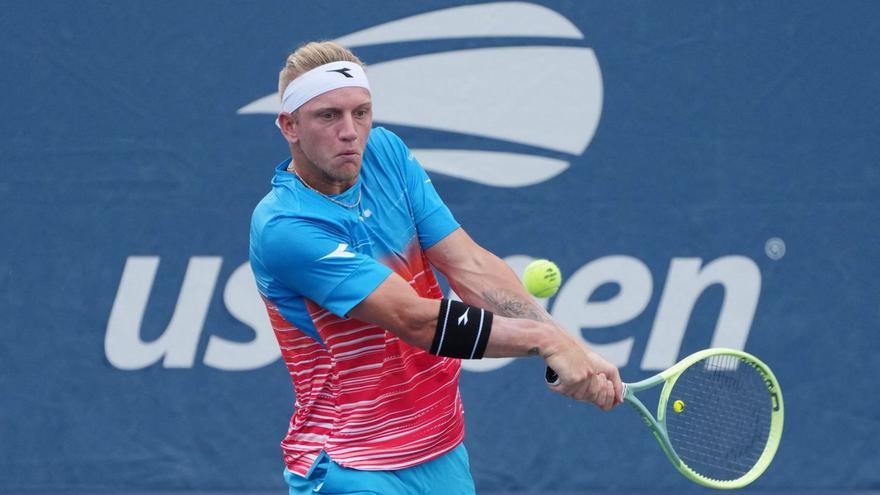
column 586, row 376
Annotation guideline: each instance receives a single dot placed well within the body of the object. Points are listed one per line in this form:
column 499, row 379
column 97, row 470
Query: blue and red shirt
column 364, row 396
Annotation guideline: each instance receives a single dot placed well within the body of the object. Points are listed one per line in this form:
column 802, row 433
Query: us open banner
column 704, row 174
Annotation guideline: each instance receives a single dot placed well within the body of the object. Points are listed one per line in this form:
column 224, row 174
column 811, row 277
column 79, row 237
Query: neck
column 314, row 177
column 319, row 182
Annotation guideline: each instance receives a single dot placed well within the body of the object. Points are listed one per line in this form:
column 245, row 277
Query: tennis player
column 342, row 248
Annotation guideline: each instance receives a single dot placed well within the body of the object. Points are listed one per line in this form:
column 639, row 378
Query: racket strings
column 742, row 423
column 727, row 444
column 724, row 419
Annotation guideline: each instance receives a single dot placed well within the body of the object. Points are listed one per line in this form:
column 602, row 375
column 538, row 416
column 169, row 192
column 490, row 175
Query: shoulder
column 284, row 217
column 386, row 144
column 290, row 240
column 277, row 205
column 383, row 135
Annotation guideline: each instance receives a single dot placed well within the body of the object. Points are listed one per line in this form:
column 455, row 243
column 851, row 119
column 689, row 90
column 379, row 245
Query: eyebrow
column 337, row 109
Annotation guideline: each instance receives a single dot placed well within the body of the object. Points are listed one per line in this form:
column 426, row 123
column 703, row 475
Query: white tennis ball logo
column 541, row 102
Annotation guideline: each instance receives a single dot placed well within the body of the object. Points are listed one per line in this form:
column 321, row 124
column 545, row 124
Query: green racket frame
column 658, row 425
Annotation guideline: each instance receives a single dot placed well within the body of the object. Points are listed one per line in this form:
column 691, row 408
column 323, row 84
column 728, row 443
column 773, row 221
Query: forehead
column 341, row 98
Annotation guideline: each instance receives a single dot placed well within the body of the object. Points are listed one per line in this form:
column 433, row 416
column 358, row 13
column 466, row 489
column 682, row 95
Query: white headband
column 320, row 80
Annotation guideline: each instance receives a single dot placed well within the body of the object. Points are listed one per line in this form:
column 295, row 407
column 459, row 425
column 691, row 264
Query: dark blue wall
column 723, row 131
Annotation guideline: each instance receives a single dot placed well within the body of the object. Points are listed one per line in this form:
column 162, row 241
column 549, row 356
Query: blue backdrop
column 703, row 173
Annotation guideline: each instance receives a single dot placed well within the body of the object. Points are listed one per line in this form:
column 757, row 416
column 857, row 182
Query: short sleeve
column 433, row 219
column 318, row 263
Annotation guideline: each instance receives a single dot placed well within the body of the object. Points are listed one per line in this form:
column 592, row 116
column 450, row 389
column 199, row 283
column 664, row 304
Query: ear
column 288, row 126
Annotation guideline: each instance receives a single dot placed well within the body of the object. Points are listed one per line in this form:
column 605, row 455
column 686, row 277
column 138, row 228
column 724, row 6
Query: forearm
column 522, row 326
column 516, row 337
column 491, row 284
column 397, row 308
column 481, row 279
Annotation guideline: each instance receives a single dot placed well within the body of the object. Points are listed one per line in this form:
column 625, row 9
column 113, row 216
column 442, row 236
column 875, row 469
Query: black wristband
column 462, row 330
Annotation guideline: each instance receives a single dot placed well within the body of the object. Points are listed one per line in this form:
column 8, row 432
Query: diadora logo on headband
column 344, row 71
column 319, row 81
column 494, row 129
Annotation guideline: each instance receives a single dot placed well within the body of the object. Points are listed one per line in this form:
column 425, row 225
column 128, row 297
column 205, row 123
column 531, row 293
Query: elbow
column 417, row 323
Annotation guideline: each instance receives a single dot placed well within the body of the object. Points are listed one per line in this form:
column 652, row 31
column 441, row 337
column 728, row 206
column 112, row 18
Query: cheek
column 313, row 143
column 365, row 129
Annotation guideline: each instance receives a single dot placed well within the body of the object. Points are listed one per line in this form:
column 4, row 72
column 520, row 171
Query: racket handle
column 551, row 377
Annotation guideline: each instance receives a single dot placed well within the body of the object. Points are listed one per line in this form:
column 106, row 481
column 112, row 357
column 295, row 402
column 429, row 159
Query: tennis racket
column 719, row 418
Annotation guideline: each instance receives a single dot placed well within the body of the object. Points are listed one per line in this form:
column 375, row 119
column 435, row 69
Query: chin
column 346, row 171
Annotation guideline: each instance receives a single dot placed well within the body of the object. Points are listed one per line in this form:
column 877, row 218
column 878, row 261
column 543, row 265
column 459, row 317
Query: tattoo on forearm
column 508, row 304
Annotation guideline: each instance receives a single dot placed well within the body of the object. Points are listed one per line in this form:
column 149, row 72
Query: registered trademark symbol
column 775, row 248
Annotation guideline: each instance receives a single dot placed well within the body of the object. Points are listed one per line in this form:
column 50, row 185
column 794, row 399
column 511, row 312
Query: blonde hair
column 311, row 55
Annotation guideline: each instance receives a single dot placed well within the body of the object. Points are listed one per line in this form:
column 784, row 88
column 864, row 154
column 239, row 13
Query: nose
column 347, row 131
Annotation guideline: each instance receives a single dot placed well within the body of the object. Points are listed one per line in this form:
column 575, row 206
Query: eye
column 361, row 113
column 327, row 115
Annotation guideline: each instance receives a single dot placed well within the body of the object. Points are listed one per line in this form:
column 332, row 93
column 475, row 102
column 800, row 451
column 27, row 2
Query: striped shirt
column 368, row 399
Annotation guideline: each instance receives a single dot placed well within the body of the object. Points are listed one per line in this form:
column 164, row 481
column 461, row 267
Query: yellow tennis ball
column 678, row 406
column 542, row 278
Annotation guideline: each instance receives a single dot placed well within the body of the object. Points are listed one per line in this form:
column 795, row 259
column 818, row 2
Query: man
column 342, row 249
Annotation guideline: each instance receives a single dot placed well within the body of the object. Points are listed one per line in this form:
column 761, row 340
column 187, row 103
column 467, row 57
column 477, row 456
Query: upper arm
column 434, row 221
column 431, row 216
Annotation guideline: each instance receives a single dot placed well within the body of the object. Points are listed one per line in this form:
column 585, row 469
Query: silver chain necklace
column 340, row 203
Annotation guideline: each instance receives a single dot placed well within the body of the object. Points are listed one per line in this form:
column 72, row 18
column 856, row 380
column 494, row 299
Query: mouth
column 349, row 157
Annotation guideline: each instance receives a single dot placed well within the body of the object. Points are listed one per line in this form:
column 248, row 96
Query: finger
column 595, row 387
column 607, row 395
column 580, row 391
column 616, row 384
column 611, row 395
column 564, row 388
column 618, row 391
column 586, row 391
column 601, row 399
column 601, row 389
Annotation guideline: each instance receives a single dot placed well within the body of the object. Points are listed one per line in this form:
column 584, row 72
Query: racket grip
column 551, row 377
